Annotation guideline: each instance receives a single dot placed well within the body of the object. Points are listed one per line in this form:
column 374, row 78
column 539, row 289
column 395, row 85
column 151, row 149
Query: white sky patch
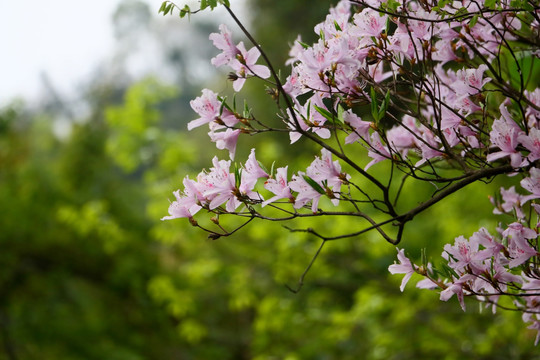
column 66, row 39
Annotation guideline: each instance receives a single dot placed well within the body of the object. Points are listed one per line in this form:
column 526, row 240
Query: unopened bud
column 272, row 92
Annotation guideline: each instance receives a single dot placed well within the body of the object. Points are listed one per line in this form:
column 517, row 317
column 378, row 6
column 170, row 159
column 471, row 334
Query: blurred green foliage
column 89, row 272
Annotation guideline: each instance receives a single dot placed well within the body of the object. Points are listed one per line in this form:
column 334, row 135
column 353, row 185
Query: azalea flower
column 245, row 65
column 278, row 186
column 209, row 108
column 223, row 41
column 404, row 267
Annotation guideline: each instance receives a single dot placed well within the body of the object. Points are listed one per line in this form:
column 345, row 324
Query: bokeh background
column 94, row 102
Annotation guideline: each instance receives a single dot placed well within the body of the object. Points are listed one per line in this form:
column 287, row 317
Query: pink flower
column 278, row 186
column 306, row 192
column 226, row 140
column 208, row 106
column 296, row 49
column 532, row 185
column 463, row 253
column 251, row 172
column 180, row 208
column 378, row 151
column 245, row 65
column 308, row 121
column 223, row 42
column 492, row 248
column 359, row 126
column 456, row 288
column 404, row 267
column 401, row 139
column 470, row 81
column 504, row 135
column 369, row 23
column 424, row 29
column 222, row 187
column 511, row 202
column 325, row 170
column 519, row 248
column 532, row 143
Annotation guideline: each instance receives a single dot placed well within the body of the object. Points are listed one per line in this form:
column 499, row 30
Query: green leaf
column 162, row 7
column 340, row 112
column 384, row 105
column 224, row 105
column 204, row 4
column 328, row 115
column 237, row 175
column 185, row 11
column 247, row 111
column 336, row 25
column 473, row 21
column 318, row 188
column 374, row 105
column 304, row 45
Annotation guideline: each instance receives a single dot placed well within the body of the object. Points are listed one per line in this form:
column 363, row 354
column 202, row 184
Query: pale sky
column 67, row 39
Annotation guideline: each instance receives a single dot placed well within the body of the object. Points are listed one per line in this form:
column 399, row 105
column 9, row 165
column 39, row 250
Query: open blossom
column 209, row 108
column 456, row 288
column 278, row 186
column 404, row 267
column 463, row 253
column 369, row 23
column 182, row 207
column 311, row 120
column 504, row 135
column 251, row 172
column 323, row 169
column 306, row 192
column 296, row 49
column 518, row 247
column 511, row 202
column 379, row 151
column 531, row 143
column 470, row 81
column 226, row 140
column 359, row 126
column 532, row 185
column 245, row 65
column 220, row 186
column 223, row 41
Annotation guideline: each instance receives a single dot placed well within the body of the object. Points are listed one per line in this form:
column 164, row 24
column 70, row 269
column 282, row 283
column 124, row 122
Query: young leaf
column 374, row 106
column 328, row 116
column 318, row 188
column 384, row 105
column 473, row 21
column 247, row 111
column 340, row 112
column 304, row 45
column 237, row 175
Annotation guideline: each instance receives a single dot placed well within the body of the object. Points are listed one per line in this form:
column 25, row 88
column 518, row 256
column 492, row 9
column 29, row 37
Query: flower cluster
column 488, row 267
column 443, row 92
column 219, row 186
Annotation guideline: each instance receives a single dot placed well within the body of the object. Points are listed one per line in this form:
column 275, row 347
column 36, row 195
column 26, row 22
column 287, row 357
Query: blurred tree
column 89, row 271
